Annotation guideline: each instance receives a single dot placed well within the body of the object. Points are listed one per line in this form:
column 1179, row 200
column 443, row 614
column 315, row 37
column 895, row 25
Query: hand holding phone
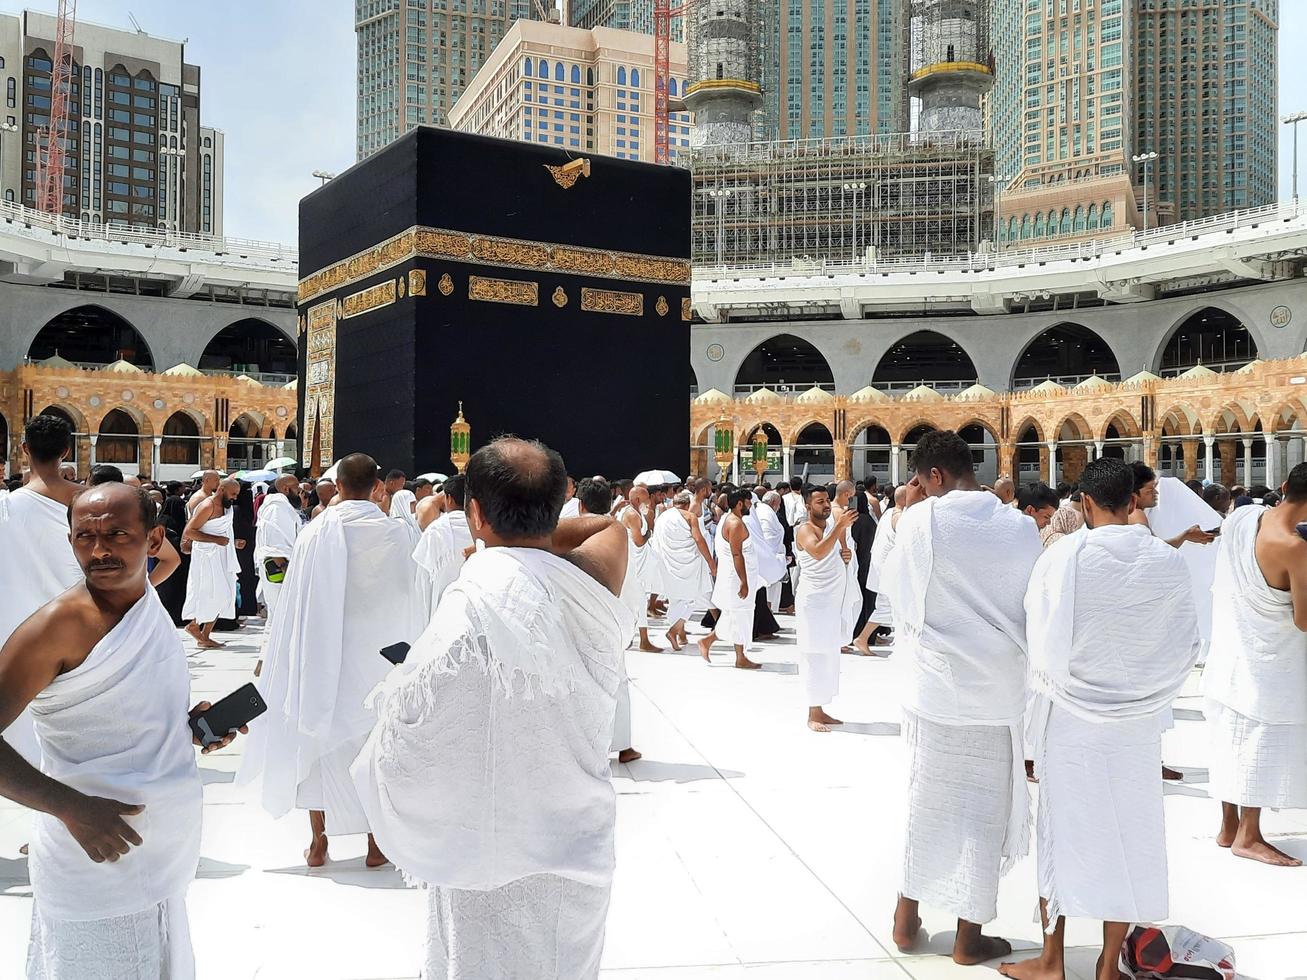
column 215, row 725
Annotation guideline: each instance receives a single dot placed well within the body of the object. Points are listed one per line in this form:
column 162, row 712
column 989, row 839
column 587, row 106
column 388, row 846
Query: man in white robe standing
column 1255, row 681
column 351, row 591
column 116, row 835
column 686, row 563
column 212, row 577
column 34, row 536
column 278, row 526
column 486, row 777
column 958, row 575
column 404, row 507
column 1112, row 634
column 442, row 548
column 737, row 581
column 643, row 573
column 769, row 540
column 886, row 534
column 822, row 550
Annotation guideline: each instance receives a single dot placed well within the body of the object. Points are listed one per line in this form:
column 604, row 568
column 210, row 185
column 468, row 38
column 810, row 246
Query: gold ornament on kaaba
column 569, row 173
column 417, row 282
column 661, row 306
column 560, row 297
column 402, row 282
column 446, row 285
column 460, row 441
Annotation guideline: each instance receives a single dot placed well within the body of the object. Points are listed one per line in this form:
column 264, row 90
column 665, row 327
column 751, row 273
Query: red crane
column 51, row 140
column 663, row 14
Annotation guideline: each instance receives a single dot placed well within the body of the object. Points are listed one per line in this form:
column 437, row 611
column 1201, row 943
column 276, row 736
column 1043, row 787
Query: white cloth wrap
column 118, row 727
column 403, row 506
column 489, row 759
column 821, row 620
column 735, row 620
column 352, row 590
column 1178, row 509
column 886, row 534
column 211, row 581
column 1112, row 634
column 278, row 526
column 958, row 574
column 40, row 566
column 1257, row 661
column 648, row 564
column 1252, row 763
column 439, row 553
column 685, row 571
column 155, row 942
column 768, row 535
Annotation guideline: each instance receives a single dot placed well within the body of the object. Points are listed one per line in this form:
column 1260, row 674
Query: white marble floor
column 748, row 847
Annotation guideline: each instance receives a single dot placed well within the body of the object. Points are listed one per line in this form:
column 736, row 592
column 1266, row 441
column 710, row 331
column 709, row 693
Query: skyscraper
column 835, row 68
column 1206, row 102
column 416, row 57
column 622, row 15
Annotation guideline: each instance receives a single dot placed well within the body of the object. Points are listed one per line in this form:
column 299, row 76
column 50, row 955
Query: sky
column 278, row 79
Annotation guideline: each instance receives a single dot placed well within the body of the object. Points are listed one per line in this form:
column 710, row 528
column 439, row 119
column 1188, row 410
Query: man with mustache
column 211, row 584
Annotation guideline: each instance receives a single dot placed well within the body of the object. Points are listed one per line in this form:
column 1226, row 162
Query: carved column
column 787, row 462
column 1209, row 463
column 1248, row 462
column 894, row 452
column 1048, row 461
column 1272, row 459
column 1190, row 458
column 1226, row 448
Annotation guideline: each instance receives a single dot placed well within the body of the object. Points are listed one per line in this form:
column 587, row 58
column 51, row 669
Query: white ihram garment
column 439, row 553
column 821, row 620
column 211, row 582
column 1112, row 634
column 886, row 535
column 735, row 622
column 40, row 566
column 1255, row 681
column 117, row 727
column 278, row 526
column 487, row 777
column 352, row 590
column 768, row 535
column 1178, row 509
column 643, row 577
column 403, row 506
column 958, row 575
column 685, row 575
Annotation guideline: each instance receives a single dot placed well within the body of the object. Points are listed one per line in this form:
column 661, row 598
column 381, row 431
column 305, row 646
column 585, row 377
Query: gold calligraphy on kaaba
column 560, row 297
column 320, row 380
column 612, row 301
column 511, row 253
column 417, row 282
column 685, row 309
column 661, row 306
column 446, row 285
column 489, row 290
column 372, row 298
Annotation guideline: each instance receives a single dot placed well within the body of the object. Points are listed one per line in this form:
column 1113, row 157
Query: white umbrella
column 331, row 473
column 281, row 463
column 434, row 477
column 657, row 478
column 668, row 477
column 199, row 473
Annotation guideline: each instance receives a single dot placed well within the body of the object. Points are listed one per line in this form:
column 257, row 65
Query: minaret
column 724, row 42
column 952, row 63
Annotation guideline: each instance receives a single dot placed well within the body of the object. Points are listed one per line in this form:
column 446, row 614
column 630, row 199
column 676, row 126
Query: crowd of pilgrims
column 1044, row 633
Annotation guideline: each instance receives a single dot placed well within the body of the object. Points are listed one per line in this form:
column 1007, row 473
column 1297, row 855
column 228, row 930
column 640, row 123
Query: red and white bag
column 1176, row 953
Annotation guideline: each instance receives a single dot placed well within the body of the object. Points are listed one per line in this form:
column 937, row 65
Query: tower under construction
column 952, row 64
column 724, row 51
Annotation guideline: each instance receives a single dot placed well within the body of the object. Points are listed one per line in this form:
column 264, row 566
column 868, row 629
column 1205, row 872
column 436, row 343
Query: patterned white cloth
column 439, row 553
column 1253, row 763
column 153, row 944
column 959, row 804
column 542, row 927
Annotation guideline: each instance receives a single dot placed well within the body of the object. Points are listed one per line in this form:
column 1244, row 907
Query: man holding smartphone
column 105, row 674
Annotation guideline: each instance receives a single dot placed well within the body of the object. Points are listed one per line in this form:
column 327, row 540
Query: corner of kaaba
column 547, row 293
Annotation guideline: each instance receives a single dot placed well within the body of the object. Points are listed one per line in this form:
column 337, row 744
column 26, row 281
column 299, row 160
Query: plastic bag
column 1176, row 953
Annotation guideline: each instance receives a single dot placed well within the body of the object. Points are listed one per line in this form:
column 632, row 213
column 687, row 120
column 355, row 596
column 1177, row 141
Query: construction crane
column 51, row 140
column 663, row 14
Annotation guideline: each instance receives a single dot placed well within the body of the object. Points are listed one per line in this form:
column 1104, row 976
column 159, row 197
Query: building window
column 576, row 74
column 671, row 87
column 558, row 72
column 527, row 68
column 544, row 68
column 635, row 78
column 621, row 74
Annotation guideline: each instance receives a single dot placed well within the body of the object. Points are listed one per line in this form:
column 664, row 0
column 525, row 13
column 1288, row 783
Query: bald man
column 1005, row 490
column 211, row 581
column 209, row 481
column 278, row 526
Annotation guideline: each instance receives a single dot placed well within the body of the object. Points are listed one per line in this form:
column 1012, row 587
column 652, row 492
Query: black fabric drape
column 172, row 593
column 863, row 535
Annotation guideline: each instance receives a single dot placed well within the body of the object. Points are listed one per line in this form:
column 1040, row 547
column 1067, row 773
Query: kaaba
column 547, row 292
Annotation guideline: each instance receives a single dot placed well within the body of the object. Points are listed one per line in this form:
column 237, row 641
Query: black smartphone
column 234, row 711
column 1302, row 530
column 396, row 652
column 1217, row 530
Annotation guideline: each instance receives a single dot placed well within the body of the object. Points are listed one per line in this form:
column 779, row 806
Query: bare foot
column 210, row 645
column 375, row 858
column 864, row 648
column 1115, row 973
column 316, row 855
column 1172, row 775
column 826, row 719
column 23, row 850
column 674, row 640
column 766, row 636
column 1225, row 837
column 194, row 630
column 649, row 648
column 905, row 931
column 979, row 950
column 704, row 646
column 787, row 611
column 818, row 726
column 742, row 663
column 883, row 640
column 1260, row 850
column 1035, row 969
column 628, row 755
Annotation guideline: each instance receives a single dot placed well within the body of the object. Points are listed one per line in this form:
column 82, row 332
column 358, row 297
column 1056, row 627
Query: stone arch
column 182, row 432
column 245, row 442
column 977, row 420
column 1029, row 422
column 92, row 334
column 767, row 426
column 118, row 438
column 1065, row 350
column 1124, row 423
column 784, row 361
column 865, row 425
column 939, row 358
column 143, row 424
column 70, row 413
column 1082, row 429
column 911, row 431
column 1179, row 350
column 811, row 447
column 251, row 345
column 792, row 437
column 1289, row 412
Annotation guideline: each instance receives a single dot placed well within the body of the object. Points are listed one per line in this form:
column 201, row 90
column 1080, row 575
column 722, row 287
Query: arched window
column 1080, row 218
column 635, row 78
column 1026, row 226
column 527, row 68
column 181, row 441
column 1041, row 229
column 9, row 195
column 1012, row 228
column 544, row 68
column 1093, row 216
column 671, row 87
column 1107, row 215
column 1066, row 221
column 558, row 72
column 589, row 76
column 576, row 74
column 118, row 439
column 621, row 74
column 1052, row 223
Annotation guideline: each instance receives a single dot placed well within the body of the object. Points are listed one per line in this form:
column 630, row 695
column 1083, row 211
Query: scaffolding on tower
column 52, row 139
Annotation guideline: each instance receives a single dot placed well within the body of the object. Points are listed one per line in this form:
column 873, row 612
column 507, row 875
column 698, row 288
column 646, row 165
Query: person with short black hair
column 1146, row 492
column 495, row 793
column 1039, row 502
column 570, row 506
column 105, row 473
column 1255, row 681
column 958, row 574
column 1112, row 634
column 737, row 581
column 1217, row 497
column 442, row 549
column 400, row 502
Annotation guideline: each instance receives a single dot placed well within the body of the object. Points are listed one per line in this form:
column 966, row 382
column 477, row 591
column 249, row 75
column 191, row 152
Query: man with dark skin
column 208, row 487
column 812, row 540
column 1146, row 491
column 211, row 508
column 113, row 533
column 326, row 494
column 735, row 533
column 394, row 483
column 1037, row 501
